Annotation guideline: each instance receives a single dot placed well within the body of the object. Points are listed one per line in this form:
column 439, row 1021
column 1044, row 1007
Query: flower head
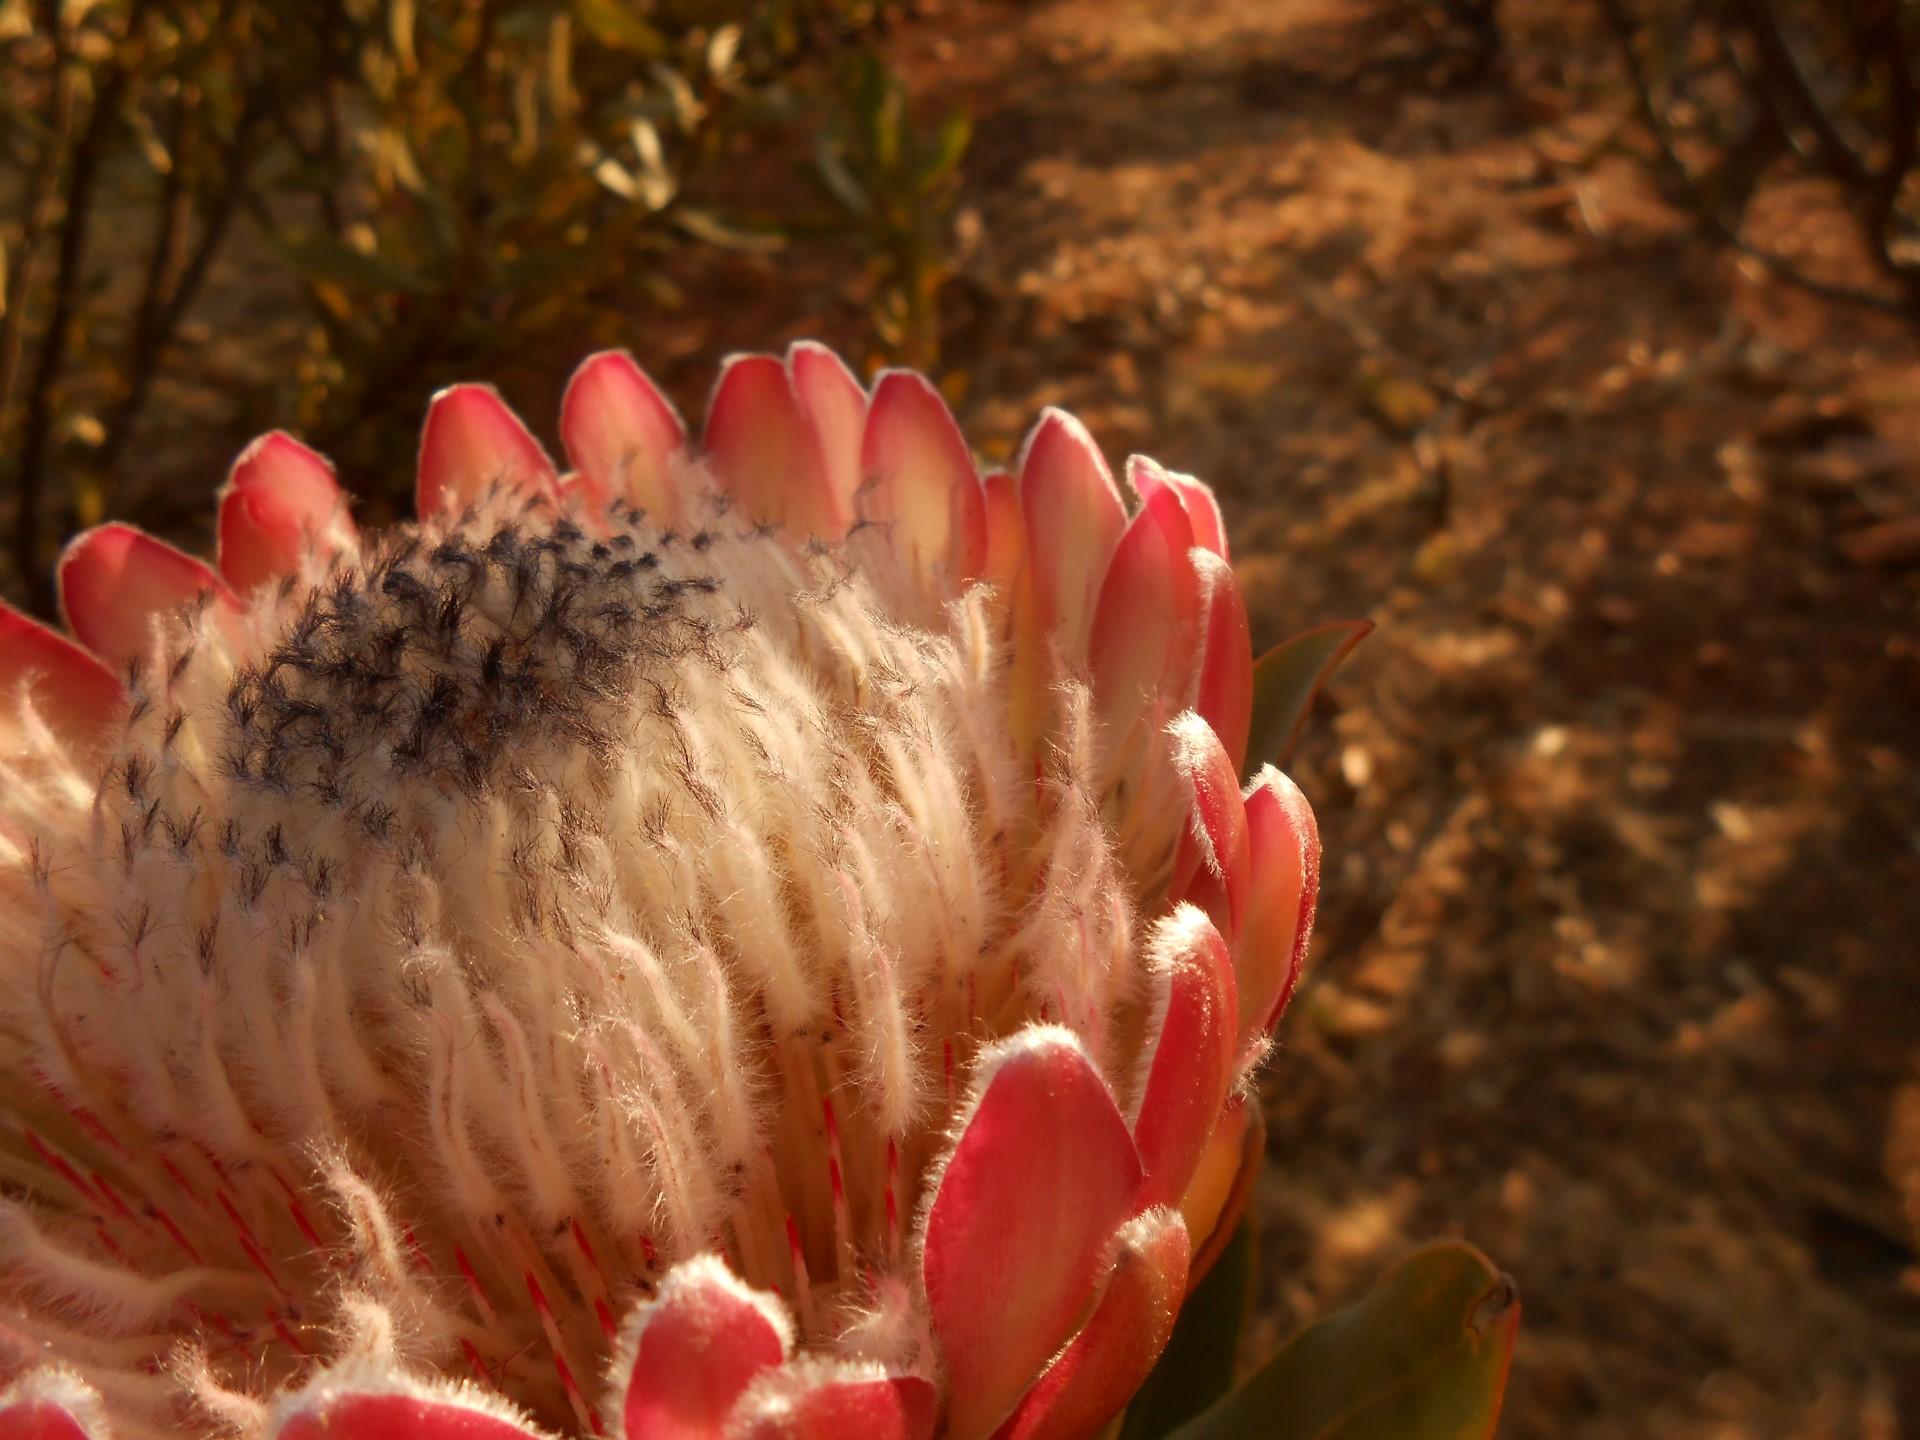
column 763, row 937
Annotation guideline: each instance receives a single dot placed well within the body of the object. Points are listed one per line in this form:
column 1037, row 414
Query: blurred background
column 1573, row 341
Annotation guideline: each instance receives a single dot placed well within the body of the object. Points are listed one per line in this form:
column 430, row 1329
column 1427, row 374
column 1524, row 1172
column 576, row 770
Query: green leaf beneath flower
column 1196, row 1368
column 1286, row 679
column 1424, row 1356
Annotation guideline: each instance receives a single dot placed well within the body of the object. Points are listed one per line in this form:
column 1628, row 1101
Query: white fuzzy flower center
column 527, row 910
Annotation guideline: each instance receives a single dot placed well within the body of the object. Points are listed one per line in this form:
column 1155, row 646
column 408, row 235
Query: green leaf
column 1196, row 1368
column 949, row 146
column 324, row 259
column 1286, row 679
column 1424, row 1356
column 879, row 105
column 616, row 23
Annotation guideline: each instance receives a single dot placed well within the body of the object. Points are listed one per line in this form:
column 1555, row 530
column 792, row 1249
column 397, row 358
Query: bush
column 431, row 186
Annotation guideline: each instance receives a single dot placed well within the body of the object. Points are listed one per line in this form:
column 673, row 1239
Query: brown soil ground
column 1617, row 953
column 1616, row 970
column 1618, row 963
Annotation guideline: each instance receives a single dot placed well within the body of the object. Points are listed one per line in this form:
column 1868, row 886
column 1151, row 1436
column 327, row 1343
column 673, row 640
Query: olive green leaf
column 1424, row 1356
column 1196, row 1368
column 1286, row 679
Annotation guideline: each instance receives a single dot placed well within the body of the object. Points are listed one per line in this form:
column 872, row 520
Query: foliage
column 1285, row 681
column 1422, row 1356
column 435, row 185
column 1196, row 1368
column 896, row 187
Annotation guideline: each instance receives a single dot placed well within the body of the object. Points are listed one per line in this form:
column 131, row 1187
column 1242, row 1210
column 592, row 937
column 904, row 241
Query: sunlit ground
column 1615, row 971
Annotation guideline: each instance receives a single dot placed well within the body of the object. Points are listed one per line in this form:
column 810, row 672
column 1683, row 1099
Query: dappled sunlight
column 1609, row 977
column 1614, row 970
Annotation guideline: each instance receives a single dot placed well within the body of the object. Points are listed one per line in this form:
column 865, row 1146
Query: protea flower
column 758, row 938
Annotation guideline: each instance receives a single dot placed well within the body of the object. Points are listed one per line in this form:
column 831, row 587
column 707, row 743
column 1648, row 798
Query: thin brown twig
column 1783, row 62
column 43, row 195
column 1882, row 35
column 171, row 214
column 150, row 342
column 37, row 439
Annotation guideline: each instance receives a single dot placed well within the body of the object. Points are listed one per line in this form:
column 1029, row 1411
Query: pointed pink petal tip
column 814, row 1399
column 784, row 439
column 1212, row 867
column 1190, row 1050
column 114, row 580
column 398, row 1417
column 1283, row 850
column 75, row 693
column 471, row 445
column 835, row 404
column 280, row 504
column 1074, row 518
column 622, row 435
column 51, row 1404
column 1148, row 477
column 764, row 450
column 1203, row 509
column 1042, row 1173
column 687, row 1356
column 42, row 1420
column 920, row 479
column 1146, row 624
column 1092, row 1380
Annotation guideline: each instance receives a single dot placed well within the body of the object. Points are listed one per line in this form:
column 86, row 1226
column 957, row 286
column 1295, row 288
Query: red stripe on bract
column 1091, row 1381
column 1074, row 519
column 1194, row 1008
column 76, row 695
column 472, row 445
column 690, row 1354
column 115, row 579
column 1283, row 855
column 824, row 1400
column 622, row 435
column 280, row 504
column 920, row 481
column 336, row 1415
column 1043, row 1172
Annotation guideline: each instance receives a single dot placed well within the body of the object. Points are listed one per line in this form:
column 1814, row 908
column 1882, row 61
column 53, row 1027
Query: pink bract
column 763, row 937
